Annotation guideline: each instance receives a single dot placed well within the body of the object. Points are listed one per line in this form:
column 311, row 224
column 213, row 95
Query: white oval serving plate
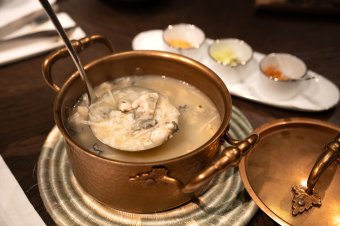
column 319, row 95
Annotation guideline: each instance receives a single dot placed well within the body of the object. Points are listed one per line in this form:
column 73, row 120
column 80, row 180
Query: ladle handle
column 51, row 14
column 78, row 45
column 230, row 156
column 306, row 198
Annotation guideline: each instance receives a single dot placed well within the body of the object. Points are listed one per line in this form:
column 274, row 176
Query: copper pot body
column 141, row 187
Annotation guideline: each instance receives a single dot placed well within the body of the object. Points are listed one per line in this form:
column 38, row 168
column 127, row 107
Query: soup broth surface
column 198, row 120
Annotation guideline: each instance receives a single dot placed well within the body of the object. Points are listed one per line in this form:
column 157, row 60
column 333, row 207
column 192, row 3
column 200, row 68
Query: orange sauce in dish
column 180, row 43
column 274, row 72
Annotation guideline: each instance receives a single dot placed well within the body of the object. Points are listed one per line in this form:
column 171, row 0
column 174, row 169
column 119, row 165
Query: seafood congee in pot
column 150, row 140
column 145, row 118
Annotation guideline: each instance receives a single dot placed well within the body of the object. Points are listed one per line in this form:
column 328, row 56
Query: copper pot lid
column 291, row 153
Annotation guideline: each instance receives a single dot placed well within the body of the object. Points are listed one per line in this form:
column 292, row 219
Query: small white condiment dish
column 282, row 76
column 185, row 39
column 231, row 57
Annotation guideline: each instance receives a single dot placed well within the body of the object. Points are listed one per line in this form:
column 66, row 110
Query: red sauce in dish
column 274, row 72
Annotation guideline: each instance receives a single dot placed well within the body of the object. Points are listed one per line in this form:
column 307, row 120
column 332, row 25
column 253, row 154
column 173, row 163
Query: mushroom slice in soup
column 133, row 118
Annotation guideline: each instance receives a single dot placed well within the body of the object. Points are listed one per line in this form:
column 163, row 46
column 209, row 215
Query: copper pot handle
column 230, row 156
column 78, row 45
column 305, row 197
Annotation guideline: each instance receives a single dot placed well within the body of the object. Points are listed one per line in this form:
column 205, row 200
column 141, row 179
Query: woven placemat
column 225, row 203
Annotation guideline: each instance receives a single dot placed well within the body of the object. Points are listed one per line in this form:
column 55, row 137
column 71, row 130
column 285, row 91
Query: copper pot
column 154, row 186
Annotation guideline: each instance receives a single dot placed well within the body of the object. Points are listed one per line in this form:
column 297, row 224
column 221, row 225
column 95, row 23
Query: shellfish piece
column 133, row 119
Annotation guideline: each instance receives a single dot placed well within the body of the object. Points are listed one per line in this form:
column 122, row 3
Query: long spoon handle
column 70, row 48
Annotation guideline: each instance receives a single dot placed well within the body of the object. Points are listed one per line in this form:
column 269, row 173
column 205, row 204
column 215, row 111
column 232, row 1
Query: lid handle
column 305, row 197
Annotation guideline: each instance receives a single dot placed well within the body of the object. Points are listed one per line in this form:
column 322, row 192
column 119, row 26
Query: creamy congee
column 179, row 117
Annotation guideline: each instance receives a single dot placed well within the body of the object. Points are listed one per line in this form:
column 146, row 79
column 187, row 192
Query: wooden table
column 26, row 101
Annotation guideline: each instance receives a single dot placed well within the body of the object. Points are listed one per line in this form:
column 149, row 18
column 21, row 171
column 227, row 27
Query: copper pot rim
column 151, row 53
column 267, row 128
column 264, row 130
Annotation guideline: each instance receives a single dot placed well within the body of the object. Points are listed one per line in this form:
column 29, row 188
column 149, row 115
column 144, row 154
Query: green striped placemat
column 225, row 203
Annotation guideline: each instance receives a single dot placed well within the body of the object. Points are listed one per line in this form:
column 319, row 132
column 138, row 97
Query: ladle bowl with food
column 162, row 176
column 128, row 118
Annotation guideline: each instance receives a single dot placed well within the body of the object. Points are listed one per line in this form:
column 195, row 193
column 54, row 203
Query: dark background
column 26, row 101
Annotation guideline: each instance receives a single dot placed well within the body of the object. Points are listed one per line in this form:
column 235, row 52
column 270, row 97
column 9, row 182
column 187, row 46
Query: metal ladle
column 71, row 50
